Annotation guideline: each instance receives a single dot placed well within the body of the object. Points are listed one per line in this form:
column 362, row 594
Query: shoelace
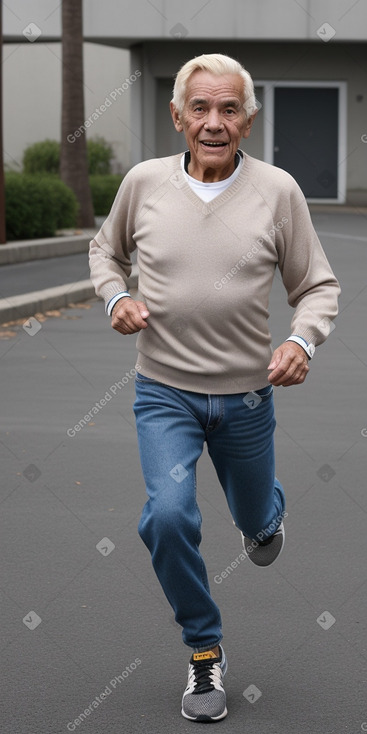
column 203, row 676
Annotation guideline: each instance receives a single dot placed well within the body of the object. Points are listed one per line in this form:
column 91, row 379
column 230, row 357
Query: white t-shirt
column 208, row 191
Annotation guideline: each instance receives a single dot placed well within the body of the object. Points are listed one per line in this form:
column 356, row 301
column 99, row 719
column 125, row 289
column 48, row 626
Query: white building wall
column 196, row 19
column 32, row 98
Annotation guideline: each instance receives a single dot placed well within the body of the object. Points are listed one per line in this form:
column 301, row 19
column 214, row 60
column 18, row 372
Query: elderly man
column 210, row 226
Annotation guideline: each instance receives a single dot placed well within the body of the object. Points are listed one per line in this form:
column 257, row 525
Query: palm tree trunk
column 73, row 158
column 2, row 184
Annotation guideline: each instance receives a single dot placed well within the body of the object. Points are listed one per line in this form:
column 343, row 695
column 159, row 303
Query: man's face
column 213, row 121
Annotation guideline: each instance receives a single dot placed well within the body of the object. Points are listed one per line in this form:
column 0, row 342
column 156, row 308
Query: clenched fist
column 289, row 365
column 128, row 316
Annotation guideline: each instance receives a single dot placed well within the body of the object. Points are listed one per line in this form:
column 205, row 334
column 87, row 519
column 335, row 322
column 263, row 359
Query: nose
column 213, row 121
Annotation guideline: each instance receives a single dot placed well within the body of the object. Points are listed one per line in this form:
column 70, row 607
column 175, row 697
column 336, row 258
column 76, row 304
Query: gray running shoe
column 264, row 552
column 204, row 698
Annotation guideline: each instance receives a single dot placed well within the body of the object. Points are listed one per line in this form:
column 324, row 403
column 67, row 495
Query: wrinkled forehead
column 214, row 88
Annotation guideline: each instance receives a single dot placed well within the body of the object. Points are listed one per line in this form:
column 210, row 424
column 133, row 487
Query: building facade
column 308, row 60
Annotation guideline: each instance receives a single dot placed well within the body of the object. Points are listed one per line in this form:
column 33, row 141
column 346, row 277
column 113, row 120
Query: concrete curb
column 26, row 305
column 337, row 209
column 17, row 252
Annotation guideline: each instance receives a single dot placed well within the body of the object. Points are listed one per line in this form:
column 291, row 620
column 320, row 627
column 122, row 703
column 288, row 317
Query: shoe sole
column 203, row 717
column 252, row 557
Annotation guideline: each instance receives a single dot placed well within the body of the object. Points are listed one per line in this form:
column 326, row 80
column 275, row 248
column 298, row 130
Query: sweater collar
column 188, row 158
column 241, row 183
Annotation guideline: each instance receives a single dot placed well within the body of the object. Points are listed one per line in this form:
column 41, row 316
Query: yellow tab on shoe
column 203, row 655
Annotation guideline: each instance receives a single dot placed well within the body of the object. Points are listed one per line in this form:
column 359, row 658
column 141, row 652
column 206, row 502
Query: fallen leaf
column 80, row 305
column 16, row 322
column 7, row 334
column 54, row 313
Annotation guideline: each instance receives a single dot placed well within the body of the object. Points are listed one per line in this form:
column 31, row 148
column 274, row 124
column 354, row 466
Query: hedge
column 37, row 206
column 100, row 155
column 44, row 157
column 104, row 190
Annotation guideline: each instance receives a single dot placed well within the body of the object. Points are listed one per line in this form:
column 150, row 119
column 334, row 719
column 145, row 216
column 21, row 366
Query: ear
column 248, row 125
column 176, row 118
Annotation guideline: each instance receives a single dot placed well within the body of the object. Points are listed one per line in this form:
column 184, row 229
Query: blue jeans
column 172, row 426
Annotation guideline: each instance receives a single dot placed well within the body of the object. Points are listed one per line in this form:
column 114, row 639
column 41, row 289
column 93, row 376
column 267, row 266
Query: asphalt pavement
column 46, row 273
column 28, row 286
column 36, row 275
column 88, row 641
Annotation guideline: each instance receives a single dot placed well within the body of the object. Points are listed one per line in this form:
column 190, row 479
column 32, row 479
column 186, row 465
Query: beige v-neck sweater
column 206, row 270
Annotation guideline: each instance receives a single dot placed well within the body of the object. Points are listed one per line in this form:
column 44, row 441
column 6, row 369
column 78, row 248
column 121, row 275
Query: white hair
column 216, row 64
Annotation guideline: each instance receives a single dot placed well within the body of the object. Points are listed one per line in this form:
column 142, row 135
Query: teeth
column 213, row 144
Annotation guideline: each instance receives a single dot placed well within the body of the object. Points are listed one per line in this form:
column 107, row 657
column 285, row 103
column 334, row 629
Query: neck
column 210, row 175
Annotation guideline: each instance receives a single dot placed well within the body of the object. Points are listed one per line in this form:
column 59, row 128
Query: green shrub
column 104, row 190
column 64, row 202
column 100, row 155
column 36, row 206
column 43, row 157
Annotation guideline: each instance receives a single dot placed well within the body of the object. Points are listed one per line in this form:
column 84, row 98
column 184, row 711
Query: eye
column 198, row 109
column 230, row 111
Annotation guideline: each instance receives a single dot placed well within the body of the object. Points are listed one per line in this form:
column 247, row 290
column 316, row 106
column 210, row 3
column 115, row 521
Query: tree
column 73, row 160
column 2, row 185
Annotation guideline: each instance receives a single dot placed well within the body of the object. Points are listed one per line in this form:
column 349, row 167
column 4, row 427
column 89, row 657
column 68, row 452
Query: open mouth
column 209, row 144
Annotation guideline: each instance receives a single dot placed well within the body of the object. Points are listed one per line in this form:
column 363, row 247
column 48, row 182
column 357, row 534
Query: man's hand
column 289, row 365
column 128, row 316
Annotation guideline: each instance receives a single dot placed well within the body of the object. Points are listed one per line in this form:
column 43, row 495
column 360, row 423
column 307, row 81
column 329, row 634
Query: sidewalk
column 24, row 263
